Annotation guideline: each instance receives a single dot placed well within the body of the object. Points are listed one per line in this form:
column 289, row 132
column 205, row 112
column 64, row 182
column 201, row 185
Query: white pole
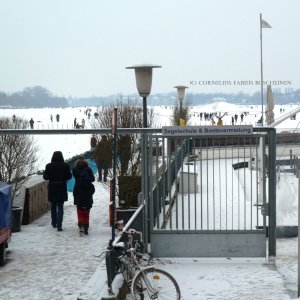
column 298, row 233
column 261, row 75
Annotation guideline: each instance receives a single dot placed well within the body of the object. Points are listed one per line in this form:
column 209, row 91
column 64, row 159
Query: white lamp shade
column 180, row 91
column 143, row 77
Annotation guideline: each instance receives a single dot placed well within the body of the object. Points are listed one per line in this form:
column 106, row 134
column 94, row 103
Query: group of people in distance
column 77, row 125
column 58, row 173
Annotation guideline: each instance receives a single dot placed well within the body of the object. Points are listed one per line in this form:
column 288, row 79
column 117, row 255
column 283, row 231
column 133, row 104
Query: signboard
column 175, row 131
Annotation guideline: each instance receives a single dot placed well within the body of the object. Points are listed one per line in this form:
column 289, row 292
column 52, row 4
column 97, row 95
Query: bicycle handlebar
column 132, row 231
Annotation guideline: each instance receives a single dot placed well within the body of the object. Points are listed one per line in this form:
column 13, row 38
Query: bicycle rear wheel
column 152, row 283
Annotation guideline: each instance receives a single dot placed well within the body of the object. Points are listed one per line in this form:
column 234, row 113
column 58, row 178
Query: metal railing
column 208, row 184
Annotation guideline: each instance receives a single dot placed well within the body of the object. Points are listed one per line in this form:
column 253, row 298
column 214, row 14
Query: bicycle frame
column 135, row 274
column 129, row 258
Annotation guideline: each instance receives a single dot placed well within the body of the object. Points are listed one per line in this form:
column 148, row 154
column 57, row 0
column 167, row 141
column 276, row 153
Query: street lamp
column 180, row 94
column 143, row 77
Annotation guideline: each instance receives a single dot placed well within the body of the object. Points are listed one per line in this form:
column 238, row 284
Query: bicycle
column 143, row 282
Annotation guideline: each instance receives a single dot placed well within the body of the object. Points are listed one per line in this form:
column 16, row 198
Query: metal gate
column 208, row 195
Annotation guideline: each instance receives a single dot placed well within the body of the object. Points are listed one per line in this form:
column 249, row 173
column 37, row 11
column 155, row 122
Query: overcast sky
column 81, row 48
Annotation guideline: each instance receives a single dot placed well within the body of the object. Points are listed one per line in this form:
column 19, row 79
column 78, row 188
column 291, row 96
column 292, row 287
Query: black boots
column 83, row 229
column 80, row 229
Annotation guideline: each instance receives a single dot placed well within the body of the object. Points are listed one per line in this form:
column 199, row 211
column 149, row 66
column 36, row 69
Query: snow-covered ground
column 45, row 264
column 162, row 117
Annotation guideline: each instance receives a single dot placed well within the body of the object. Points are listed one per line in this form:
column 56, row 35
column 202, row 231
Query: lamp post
column 143, row 77
column 263, row 24
column 180, row 95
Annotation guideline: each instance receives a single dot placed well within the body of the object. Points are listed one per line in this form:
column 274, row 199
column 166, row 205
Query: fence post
column 145, row 183
column 113, row 187
column 109, row 267
column 272, row 192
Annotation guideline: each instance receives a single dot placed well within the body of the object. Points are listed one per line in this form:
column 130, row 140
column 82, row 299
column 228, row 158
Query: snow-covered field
column 74, row 144
column 45, row 264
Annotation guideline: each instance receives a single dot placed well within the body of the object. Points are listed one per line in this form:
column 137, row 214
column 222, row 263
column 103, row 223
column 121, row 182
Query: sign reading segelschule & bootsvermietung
column 175, row 131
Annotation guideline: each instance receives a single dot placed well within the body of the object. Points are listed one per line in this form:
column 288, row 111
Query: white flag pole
column 298, row 232
column 261, row 75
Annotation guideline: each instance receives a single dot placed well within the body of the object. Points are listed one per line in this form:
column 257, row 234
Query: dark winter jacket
column 93, row 142
column 57, row 172
column 103, row 153
column 83, row 189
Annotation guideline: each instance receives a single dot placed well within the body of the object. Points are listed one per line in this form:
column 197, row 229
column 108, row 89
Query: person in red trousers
column 83, row 193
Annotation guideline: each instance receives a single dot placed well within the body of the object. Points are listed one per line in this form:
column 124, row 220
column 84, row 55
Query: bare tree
column 129, row 115
column 175, row 118
column 17, row 153
column 175, row 121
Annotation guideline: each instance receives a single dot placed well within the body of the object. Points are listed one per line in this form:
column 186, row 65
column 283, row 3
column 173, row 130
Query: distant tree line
column 41, row 97
column 32, row 97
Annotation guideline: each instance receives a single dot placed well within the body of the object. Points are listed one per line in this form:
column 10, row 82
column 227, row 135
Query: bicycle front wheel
column 152, row 283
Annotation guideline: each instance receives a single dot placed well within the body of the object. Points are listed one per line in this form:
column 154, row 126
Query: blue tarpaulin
column 5, row 204
column 93, row 165
column 71, row 182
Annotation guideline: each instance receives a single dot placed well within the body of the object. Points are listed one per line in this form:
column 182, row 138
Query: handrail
column 128, row 224
column 77, row 131
column 284, row 117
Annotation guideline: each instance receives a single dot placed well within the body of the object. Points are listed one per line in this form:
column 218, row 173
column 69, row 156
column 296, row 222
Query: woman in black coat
column 83, row 193
column 57, row 172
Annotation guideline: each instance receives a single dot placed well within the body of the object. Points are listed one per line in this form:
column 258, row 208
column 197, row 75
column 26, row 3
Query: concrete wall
column 199, row 244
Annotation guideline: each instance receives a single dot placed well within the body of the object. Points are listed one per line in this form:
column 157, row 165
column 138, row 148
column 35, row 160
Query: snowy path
column 237, row 278
column 45, row 264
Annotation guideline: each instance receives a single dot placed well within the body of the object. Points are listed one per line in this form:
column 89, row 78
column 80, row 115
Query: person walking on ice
column 31, row 122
